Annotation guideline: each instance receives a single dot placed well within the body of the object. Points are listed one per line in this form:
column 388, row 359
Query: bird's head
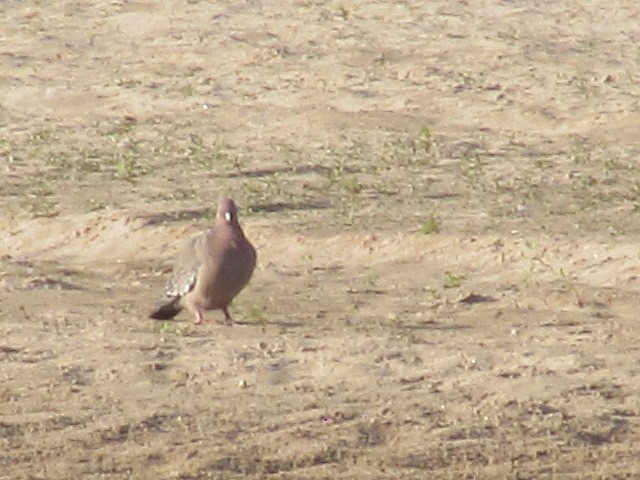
column 227, row 211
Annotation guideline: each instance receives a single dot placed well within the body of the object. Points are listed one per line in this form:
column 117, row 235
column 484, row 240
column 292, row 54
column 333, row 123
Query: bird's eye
column 228, row 216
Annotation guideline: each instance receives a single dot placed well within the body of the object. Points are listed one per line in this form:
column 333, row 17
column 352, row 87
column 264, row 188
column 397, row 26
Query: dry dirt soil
column 445, row 198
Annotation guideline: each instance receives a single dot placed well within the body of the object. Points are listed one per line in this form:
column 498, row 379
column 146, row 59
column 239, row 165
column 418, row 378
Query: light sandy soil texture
column 445, row 200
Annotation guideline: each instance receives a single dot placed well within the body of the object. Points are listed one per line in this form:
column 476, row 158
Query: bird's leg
column 199, row 317
column 227, row 316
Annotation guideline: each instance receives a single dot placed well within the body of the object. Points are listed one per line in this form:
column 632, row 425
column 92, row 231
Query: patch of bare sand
column 399, row 373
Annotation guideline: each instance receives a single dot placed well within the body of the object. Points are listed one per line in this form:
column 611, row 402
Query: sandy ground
column 444, row 197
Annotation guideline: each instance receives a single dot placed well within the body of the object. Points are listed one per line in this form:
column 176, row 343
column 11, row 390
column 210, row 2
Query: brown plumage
column 212, row 268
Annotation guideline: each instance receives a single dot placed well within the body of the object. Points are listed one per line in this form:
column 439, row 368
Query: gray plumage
column 210, row 270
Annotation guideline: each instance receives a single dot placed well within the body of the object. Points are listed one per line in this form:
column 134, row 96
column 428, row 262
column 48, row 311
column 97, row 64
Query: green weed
column 431, row 225
column 452, row 280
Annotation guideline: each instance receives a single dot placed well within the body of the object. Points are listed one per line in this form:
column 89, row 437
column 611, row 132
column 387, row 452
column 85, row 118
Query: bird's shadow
column 239, row 323
column 265, row 324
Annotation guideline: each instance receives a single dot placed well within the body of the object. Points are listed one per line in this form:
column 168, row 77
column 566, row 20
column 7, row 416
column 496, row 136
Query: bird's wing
column 183, row 279
column 186, row 267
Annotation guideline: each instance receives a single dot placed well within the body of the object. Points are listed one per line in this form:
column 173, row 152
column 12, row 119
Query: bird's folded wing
column 186, row 267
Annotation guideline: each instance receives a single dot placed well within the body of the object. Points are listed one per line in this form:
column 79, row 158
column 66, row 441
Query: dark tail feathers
column 166, row 311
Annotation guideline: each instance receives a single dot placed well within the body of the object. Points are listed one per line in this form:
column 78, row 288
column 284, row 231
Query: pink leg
column 199, row 317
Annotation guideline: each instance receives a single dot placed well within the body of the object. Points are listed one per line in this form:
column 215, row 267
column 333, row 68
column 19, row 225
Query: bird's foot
column 227, row 317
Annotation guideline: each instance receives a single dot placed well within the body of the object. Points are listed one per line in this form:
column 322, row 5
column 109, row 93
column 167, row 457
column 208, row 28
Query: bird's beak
column 228, row 216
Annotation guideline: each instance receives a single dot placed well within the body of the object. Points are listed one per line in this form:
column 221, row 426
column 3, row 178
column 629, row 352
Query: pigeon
column 211, row 269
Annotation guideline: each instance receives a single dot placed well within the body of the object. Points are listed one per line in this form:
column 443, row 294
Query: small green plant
column 257, row 313
column 127, row 167
column 615, row 164
column 167, row 328
column 274, row 184
column 41, row 202
column 41, row 138
column 571, row 286
column 584, row 87
column 350, row 184
column 581, row 157
column 431, row 225
column 472, row 168
column 172, row 328
column 372, row 278
column 432, row 293
column 398, row 152
column 543, row 163
column 339, row 175
column 452, row 280
column 76, row 164
column 409, row 152
column 253, row 192
column 425, row 139
column 236, row 161
column 210, row 157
